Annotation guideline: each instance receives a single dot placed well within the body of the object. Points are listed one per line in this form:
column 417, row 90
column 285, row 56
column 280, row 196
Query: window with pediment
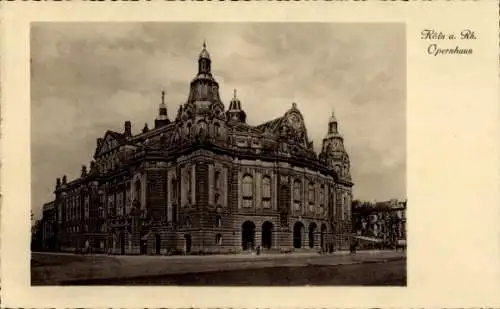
column 247, row 190
column 266, row 192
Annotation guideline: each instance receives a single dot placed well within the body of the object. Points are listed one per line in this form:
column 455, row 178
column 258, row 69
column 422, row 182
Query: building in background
column 206, row 181
column 382, row 223
column 48, row 227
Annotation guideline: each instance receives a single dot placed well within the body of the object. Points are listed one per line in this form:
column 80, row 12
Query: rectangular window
column 266, row 192
column 247, row 203
column 217, row 180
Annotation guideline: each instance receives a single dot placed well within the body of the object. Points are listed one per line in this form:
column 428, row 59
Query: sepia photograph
column 218, row 154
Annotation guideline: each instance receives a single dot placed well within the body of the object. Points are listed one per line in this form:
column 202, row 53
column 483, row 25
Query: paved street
column 363, row 268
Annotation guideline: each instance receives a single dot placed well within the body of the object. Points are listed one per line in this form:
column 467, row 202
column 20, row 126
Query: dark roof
column 118, row 136
column 271, row 125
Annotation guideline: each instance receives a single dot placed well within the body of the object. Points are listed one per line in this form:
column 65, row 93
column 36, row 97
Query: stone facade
column 208, row 182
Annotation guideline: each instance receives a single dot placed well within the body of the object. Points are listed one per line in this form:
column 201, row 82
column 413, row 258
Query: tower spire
column 204, row 61
column 162, row 118
column 235, row 113
column 332, row 124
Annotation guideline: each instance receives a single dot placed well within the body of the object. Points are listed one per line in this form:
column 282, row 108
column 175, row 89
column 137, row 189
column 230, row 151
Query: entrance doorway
column 187, row 239
column 267, row 235
column 248, row 235
column 144, row 246
column 298, row 230
column 157, row 244
column 122, row 243
column 312, row 230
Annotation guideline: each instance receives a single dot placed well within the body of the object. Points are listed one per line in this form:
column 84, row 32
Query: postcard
column 250, row 154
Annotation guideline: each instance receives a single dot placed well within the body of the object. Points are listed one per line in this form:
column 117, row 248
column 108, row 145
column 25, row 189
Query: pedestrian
column 87, row 246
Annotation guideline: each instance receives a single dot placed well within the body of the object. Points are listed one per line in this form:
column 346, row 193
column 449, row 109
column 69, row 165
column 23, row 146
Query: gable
column 110, row 141
column 293, row 128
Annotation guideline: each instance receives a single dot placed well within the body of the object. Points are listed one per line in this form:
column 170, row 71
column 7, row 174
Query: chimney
column 64, row 180
column 84, row 171
column 128, row 128
column 58, row 182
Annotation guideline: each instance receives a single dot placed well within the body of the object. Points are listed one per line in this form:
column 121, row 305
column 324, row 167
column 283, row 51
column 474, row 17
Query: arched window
column 247, row 190
column 218, row 239
column 188, row 129
column 217, row 129
column 266, row 192
column 218, row 221
column 202, row 126
column 297, row 194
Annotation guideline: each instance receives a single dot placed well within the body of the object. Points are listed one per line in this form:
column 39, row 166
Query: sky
column 87, row 78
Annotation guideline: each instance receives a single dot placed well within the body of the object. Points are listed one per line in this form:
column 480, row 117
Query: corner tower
column 333, row 151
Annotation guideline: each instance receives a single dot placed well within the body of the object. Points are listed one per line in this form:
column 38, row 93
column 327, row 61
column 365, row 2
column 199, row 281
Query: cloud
column 90, row 77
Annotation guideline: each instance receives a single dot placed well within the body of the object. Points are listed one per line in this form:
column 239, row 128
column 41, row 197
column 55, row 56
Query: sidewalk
column 104, row 266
